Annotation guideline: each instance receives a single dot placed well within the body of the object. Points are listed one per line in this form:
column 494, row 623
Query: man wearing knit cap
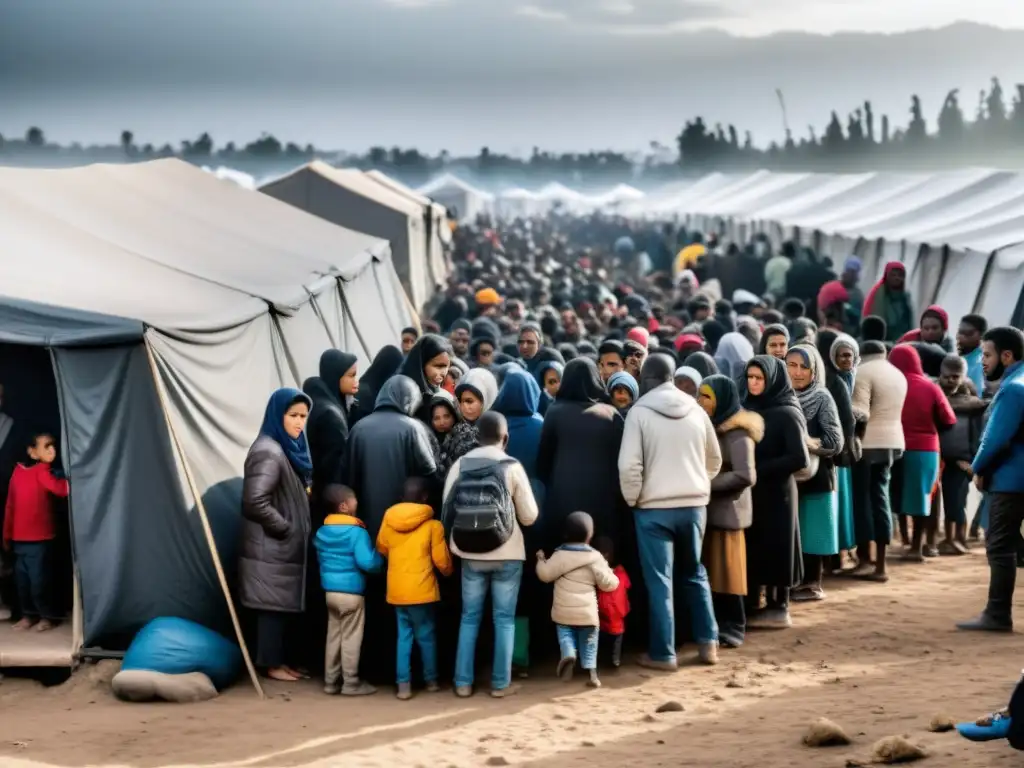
column 488, row 302
column 640, row 335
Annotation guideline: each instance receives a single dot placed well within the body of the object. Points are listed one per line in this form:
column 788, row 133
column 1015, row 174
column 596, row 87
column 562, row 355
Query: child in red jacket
column 29, row 531
column 613, row 607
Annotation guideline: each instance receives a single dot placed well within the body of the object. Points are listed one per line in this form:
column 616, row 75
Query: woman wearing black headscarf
column 578, row 455
column 427, row 364
column 774, row 559
column 383, row 367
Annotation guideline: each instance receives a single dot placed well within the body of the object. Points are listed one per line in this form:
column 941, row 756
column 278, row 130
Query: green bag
column 521, row 643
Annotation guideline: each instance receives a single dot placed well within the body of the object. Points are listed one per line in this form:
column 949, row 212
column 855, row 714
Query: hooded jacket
column 346, row 554
column 895, row 308
column 962, row 441
column 327, row 428
column 577, row 571
column 463, row 439
column 518, row 401
column 879, row 392
column 943, row 317
column 413, row 542
column 926, row 410
column 387, row 447
column 669, row 452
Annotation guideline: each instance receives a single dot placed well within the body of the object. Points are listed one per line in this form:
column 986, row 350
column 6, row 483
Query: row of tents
column 470, row 202
column 960, row 233
column 166, row 304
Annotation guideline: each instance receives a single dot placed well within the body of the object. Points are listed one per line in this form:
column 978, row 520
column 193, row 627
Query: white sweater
column 669, row 452
column 878, row 392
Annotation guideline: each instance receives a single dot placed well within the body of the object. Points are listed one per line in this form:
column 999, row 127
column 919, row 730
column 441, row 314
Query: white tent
column 351, row 199
column 168, row 305
column 951, row 230
column 464, row 199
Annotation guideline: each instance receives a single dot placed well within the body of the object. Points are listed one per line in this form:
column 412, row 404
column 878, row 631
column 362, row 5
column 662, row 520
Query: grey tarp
column 233, row 294
column 351, row 199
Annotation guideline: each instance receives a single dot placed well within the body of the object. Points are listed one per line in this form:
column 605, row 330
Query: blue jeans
column 671, row 540
column 416, row 622
column 578, row 642
column 503, row 578
column 33, row 578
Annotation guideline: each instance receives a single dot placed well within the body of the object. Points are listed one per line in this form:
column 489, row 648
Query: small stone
column 648, row 718
column 557, row 716
column 941, row 724
column 717, row 697
column 497, row 760
column 736, row 682
column 799, row 641
column 670, row 706
column 825, row 733
column 896, row 749
column 587, row 744
column 661, row 741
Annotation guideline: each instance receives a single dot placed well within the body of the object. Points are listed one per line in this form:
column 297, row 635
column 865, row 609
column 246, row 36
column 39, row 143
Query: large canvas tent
column 351, row 199
column 171, row 304
column 463, row 198
column 957, row 232
column 435, row 219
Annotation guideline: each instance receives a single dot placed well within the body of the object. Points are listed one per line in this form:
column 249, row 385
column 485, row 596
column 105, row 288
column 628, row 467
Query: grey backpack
column 479, row 510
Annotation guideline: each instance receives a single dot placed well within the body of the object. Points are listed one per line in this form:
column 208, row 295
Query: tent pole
column 207, row 530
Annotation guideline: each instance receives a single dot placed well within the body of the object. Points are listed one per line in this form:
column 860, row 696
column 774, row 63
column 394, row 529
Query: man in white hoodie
column 668, row 458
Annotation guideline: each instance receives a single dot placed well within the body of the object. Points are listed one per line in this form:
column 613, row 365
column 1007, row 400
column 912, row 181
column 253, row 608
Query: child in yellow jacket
column 414, row 544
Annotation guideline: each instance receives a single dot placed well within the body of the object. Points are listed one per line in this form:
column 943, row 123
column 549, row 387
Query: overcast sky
column 459, row 74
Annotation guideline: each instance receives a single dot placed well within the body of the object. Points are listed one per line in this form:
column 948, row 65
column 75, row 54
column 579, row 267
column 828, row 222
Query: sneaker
column 465, row 691
column 988, row 728
column 504, row 693
column 647, row 662
column 808, row 594
column 593, row 682
column 771, row 618
column 566, row 666
column 708, row 653
column 359, row 688
column 332, row 689
column 404, row 692
column 985, row 623
column 931, row 552
column 433, row 686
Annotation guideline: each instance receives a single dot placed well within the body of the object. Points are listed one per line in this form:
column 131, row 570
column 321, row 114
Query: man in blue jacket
column 999, row 471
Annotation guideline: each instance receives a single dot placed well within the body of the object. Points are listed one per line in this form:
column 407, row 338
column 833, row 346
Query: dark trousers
column 872, row 513
column 1002, row 543
column 271, row 631
column 34, row 578
column 955, row 484
column 731, row 617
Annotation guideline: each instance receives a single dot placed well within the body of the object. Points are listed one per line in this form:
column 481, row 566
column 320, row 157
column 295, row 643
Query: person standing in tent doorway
column 8, row 458
column 275, row 530
column 29, row 531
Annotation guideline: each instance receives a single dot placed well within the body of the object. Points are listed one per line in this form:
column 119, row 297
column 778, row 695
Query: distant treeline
column 859, row 142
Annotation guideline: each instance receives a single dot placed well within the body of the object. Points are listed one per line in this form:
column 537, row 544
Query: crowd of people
column 592, row 435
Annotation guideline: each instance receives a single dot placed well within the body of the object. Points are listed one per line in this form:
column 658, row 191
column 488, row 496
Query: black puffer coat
column 275, row 529
column 386, row 448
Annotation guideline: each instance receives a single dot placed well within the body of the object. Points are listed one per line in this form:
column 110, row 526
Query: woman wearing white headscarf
column 733, row 353
column 819, row 513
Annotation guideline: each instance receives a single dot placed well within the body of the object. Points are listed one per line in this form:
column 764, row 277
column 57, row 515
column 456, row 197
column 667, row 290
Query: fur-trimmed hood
column 752, row 423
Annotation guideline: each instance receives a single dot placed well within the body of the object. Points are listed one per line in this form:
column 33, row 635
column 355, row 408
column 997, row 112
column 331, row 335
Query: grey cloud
column 632, row 14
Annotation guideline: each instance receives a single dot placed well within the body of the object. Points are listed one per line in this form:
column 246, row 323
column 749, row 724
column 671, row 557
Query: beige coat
column 731, row 507
column 578, row 572
column 522, row 499
column 878, row 392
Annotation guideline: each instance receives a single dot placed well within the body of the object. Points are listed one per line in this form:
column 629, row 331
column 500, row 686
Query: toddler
column 613, row 607
column 29, row 531
column 346, row 554
column 576, row 569
column 413, row 542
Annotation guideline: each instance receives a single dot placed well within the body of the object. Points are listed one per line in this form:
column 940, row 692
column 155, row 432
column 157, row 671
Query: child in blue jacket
column 346, row 554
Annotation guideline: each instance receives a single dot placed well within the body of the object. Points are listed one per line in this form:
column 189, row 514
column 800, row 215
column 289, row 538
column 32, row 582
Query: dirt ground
column 879, row 660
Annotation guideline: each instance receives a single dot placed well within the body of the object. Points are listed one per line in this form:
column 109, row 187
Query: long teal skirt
column 920, row 473
column 844, row 492
column 819, row 523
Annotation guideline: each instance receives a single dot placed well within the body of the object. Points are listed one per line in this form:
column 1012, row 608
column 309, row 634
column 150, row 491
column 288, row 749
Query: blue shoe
column 988, row 728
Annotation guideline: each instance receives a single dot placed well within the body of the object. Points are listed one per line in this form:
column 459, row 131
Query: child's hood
column 406, row 516
column 571, row 557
